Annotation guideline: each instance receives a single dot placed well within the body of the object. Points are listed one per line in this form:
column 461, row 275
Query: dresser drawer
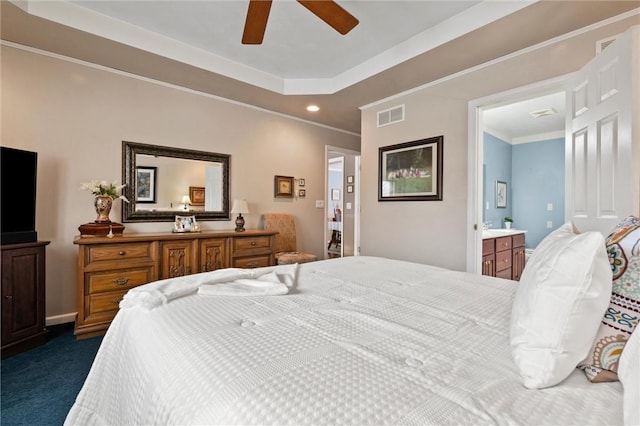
column 100, row 282
column 503, row 243
column 251, row 262
column 103, row 306
column 488, row 246
column 503, row 261
column 518, row 240
column 249, row 244
column 142, row 251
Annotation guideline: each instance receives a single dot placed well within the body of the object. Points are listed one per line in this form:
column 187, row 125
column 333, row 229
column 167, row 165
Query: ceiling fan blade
column 331, row 13
column 256, row 22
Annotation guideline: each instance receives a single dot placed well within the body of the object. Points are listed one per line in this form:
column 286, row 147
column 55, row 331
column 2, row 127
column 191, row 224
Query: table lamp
column 240, row 206
column 186, row 201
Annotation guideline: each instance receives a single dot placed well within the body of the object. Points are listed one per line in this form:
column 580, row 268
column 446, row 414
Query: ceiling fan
column 327, row 10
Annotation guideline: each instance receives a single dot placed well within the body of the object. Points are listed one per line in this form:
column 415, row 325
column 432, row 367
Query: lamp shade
column 186, row 199
column 240, row 206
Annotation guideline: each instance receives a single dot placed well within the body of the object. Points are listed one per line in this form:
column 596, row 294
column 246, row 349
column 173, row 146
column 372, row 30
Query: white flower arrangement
column 112, row 190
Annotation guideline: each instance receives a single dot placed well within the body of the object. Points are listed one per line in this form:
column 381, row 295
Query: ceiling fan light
column 543, row 112
column 313, row 108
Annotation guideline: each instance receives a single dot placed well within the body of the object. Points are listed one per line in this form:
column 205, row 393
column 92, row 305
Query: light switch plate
column 319, row 204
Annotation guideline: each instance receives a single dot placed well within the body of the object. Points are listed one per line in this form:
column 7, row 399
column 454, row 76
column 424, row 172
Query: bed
column 355, row 340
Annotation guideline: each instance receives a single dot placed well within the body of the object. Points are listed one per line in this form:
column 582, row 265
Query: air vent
column 602, row 44
column 391, row 115
column 543, row 112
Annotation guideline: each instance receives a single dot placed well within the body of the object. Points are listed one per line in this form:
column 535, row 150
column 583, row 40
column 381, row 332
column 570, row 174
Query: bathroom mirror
column 162, row 182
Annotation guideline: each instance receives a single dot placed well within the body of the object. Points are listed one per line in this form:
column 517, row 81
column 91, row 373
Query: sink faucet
column 486, row 225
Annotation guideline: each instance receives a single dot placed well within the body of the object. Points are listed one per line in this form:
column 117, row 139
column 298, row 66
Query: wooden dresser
column 109, row 267
column 503, row 257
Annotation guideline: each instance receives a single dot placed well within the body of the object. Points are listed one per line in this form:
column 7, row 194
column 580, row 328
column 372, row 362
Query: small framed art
column 146, row 184
column 302, row 193
column 196, row 194
column 501, row 194
column 283, row 187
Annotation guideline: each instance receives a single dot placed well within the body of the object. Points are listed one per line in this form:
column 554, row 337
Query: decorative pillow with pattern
column 623, row 313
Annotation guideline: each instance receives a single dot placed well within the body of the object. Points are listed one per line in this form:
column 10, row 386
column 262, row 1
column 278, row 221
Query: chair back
column 284, row 223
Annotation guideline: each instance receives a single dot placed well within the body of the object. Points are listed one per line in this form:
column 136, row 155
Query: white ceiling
column 514, row 122
column 397, row 46
column 300, row 53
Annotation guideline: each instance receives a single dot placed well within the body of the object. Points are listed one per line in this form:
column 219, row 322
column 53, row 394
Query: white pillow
column 629, row 375
column 561, row 298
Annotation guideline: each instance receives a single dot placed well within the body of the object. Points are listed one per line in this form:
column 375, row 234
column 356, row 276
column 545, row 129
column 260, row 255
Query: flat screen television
column 18, row 195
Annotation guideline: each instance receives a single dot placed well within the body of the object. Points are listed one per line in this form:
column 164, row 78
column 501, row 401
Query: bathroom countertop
column 497, row 233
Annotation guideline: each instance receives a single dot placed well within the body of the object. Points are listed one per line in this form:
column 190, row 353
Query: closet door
column 603, row 143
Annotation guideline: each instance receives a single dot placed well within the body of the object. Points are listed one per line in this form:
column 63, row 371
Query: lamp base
column 239, row 223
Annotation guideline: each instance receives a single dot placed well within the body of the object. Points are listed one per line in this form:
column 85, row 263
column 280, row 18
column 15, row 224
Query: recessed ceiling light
column 313, row 108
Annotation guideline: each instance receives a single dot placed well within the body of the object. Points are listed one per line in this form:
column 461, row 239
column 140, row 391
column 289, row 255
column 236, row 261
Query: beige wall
column 76, row 118
column 436, row 232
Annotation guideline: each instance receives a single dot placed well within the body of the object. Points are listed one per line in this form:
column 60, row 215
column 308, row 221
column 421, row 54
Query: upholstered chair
column 285, row 240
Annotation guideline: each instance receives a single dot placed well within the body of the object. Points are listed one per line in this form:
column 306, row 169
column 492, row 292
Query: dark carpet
column 40, row 386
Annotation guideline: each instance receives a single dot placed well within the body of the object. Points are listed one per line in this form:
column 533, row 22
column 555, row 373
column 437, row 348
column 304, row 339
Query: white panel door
column 602, row 142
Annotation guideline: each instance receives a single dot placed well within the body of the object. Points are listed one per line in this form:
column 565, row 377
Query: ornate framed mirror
column 159, row 181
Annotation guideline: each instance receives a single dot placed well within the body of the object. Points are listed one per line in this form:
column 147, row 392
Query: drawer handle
column 120, row 281
column 252, row 264
column 8, row 297
column 253, row 243
column 122, row 253
column 116, row 301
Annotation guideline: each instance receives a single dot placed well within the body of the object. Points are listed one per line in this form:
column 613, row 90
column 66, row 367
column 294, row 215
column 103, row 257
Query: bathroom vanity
column 503, row 253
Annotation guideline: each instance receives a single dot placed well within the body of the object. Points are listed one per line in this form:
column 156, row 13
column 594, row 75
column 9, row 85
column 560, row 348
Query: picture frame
column 411, row 171
column 501, row 194
column 302, row 193
column 335, row 194
column 283, row 186
column 196, row 195
column 146, row 179
column 350, row 179
column 349, row 188
column 185, row 224
column 301, row 182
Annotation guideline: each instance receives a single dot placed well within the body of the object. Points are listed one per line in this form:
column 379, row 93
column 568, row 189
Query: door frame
column 476, row 156
column 356, row 195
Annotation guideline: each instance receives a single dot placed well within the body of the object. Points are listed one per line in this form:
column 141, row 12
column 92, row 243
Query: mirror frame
column 129, row 152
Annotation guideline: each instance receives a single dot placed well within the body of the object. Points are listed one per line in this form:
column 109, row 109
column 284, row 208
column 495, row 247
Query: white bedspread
column 357, row 341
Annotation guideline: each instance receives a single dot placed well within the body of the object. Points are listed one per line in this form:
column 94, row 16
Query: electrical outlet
column 319, row 204
column 549, row 224
column 550, row 207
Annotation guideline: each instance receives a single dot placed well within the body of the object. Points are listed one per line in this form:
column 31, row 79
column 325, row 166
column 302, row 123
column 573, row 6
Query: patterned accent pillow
column 623, row 313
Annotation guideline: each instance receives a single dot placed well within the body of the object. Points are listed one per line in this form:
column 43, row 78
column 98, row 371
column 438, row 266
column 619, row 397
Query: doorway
column 342, row 202
column 485, row 137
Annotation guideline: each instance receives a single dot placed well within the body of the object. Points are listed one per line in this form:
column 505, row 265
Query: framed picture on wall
column 411, row 171
column 283, row 187
column 501, row 194
column 335, row 194
column 196, row 194
column 146, row 184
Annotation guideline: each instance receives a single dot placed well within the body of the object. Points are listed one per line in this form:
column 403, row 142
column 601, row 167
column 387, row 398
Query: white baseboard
column 61, row 319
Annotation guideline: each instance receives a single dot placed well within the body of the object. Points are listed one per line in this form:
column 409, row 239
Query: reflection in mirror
column 161, row 182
